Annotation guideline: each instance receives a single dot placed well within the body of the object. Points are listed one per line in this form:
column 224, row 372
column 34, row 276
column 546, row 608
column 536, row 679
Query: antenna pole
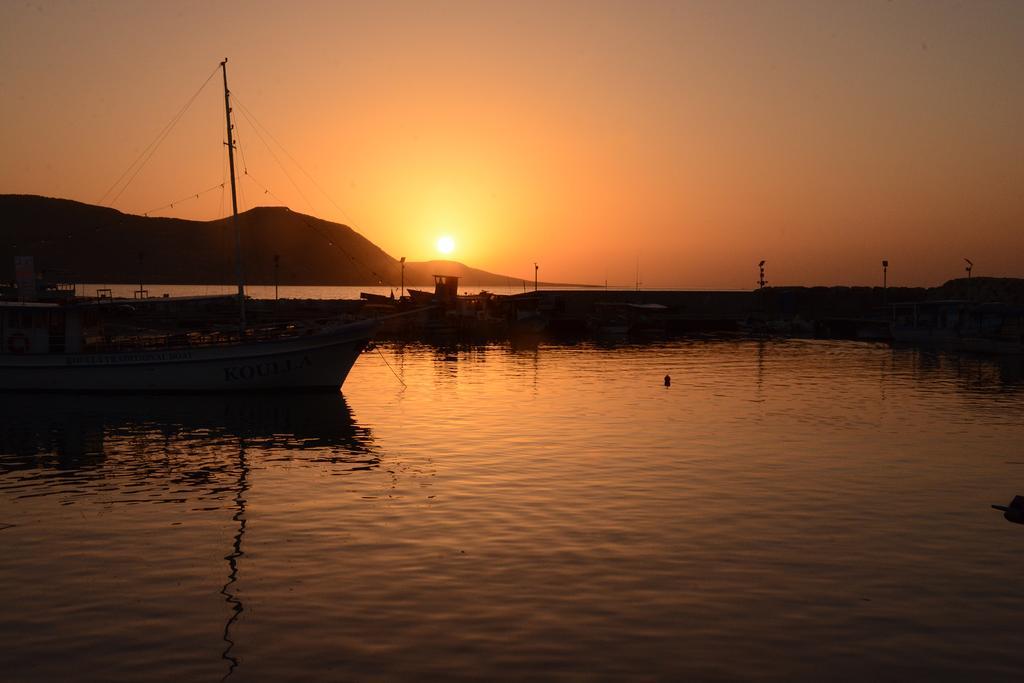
column 234, row 201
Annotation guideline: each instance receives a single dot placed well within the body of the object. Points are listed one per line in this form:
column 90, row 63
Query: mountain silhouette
column 77, row 242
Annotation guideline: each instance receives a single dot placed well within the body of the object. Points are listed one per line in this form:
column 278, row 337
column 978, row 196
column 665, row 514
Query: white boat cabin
column 28, row 327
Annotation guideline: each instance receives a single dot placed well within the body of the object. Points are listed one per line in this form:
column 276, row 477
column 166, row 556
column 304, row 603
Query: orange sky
column 697, row 137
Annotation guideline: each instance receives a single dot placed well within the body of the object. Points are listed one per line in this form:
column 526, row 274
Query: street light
column 277, row 265
column 141, row 294
column 970, row 265
column 402, row 262
column 535, row 269
column 885, row 273
column 761, row 282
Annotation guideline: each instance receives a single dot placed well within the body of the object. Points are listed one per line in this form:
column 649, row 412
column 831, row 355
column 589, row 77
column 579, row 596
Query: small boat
column 379, row 299
column 932, row 323
column 621, row 318
column 55, row 346
column 991, row 328
column 996, row 329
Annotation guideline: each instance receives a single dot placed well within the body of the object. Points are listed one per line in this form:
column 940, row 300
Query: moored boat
column 47, row 348
column 936, row 323
column 992, row 328
column 54, row 347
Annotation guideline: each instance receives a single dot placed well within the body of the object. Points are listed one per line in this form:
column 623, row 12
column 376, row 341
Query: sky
column 678, row 143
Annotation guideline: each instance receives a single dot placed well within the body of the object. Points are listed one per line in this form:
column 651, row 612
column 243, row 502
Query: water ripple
column 785, row 510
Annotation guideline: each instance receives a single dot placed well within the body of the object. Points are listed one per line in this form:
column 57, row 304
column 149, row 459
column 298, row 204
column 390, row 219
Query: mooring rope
column 377, row 349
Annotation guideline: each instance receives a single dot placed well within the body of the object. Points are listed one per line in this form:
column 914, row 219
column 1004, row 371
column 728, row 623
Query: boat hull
column 314, row 362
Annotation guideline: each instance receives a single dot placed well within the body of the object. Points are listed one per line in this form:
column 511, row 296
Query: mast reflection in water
column 192, row 451
column 236, row 552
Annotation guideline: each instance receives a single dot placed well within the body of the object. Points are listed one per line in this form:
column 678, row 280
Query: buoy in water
column 668, row 381
column 1014, row 512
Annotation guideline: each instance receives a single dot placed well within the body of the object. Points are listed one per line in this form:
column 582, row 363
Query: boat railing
column 183, row 340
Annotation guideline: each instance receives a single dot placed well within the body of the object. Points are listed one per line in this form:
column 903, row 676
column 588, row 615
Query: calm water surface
column 785, row 510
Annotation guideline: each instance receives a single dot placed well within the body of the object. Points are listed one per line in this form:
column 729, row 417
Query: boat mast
column 234, row 200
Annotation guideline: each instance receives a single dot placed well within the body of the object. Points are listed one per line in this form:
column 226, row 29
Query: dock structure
column 575, row 313
column 863, row 313
column 992, row 317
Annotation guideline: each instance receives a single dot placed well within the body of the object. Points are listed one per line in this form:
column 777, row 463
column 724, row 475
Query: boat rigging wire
column 243, row 203
column 185, row 199
column 119, row 220
column 223, row 184
column 239, row 147
column 151, row 148
column 256, row 125
column 327, row 238
column 265, row 189
column 276, row 158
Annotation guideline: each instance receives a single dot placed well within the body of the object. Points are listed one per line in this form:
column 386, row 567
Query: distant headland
column 79, row 242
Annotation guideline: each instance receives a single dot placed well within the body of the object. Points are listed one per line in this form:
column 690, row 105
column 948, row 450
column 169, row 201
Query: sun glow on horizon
column 699, row 138
column 445, row 244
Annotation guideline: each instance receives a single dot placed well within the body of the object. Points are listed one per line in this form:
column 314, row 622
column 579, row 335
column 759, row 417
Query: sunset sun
column 445, row 244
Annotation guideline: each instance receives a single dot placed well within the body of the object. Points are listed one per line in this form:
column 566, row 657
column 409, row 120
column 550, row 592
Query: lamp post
column 402, row 262
column 277, row 267
column 885, row 272
column 970, row 266
column 761, row 282
column 535, row 269
column 141, row 294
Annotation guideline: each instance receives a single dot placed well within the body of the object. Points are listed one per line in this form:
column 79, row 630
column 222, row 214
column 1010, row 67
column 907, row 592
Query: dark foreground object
column 1014, row 512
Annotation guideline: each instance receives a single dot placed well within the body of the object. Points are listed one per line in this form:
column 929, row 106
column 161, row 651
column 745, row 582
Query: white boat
column 45, row 349
column 52, row 347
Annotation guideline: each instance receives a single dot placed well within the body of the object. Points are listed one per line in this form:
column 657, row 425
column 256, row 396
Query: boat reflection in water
column 85, row 431
column 176, row 448
column 966, row 373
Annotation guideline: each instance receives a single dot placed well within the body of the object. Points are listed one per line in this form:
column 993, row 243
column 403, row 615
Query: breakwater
column 447, row 314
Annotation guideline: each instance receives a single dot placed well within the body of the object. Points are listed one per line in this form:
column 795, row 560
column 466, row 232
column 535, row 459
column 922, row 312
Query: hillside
column 84, row 243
